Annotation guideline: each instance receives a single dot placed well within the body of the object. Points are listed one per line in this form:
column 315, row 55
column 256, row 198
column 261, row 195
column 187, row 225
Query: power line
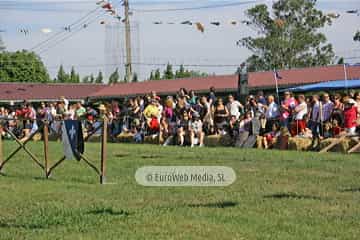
column 195, row 8
column 31, row 3
column 64, row 31
column 72, row 2
column 74, row 28
column 152, row 64
column 77, row 30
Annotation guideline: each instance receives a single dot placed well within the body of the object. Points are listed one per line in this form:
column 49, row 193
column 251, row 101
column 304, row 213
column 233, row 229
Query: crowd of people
column 185, row 119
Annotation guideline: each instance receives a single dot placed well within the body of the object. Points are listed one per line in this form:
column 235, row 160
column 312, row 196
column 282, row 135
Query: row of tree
column 63, row 77
column 115, row 77
column 168, row 73
column 73, row 77
column 22, row 66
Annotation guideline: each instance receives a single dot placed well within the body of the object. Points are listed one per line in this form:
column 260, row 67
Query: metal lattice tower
column 115, row 54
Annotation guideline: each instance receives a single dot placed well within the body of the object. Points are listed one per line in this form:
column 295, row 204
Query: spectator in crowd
column 221, row 114
column 182, row 127
column 336, row 129
column 253, row 106
column 154, row 96
column 287, row 107
column 338, row 110
column 151, row 111
column 79, row 111
column 350, row 116
column 261, row 98
column 269, row 140
column 316, row 117
column 357, row 99
column 234, row 107
column 28, row 113
column 42, row 111
column 299, row 125
column 195, row 129
column 183, row 95
column 272, row 113
column 65, row 101
column 207, row 115
column 328, row 133
column 212, row 96
column 328, row 108
column 244, row 129
column 193, row 99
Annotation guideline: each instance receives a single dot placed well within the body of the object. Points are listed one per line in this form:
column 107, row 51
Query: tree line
column 168, row 73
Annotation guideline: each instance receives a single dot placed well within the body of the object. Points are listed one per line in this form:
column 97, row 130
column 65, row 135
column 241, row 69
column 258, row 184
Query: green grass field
column 277, row 195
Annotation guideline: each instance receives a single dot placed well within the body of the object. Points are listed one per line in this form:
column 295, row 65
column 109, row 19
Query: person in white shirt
column 65, row 101
column 301, row 111
column 234, row 106
column 272, row 113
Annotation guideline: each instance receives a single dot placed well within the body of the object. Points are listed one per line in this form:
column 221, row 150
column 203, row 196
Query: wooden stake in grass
column 46, row 148
column 333, row 144
column 1, row 148
column 352, row 150
column 103, row 151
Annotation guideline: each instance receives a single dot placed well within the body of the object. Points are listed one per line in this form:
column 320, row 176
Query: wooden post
column 46, row 148
column 355, row 148
column 333, row 144
column 103, row 151
column 1, row 148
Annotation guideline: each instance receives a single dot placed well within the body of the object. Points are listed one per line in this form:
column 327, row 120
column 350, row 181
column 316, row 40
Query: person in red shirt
column 336, row 129
column 350, row 116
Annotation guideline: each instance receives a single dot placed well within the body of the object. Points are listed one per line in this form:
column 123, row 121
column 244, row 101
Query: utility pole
column 127, row 42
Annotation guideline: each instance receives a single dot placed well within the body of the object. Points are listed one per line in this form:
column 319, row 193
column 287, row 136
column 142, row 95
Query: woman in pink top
column 287, row 107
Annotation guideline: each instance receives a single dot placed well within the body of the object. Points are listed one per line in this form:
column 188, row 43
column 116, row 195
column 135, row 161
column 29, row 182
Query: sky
column 100, row 46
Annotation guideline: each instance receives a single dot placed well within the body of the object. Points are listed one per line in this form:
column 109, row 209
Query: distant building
column 234, row 84
column 226, row 84
column 201, row 85
column 39, row 92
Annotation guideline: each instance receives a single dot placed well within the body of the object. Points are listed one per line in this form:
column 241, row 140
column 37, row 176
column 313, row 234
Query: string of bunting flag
column 200, row 26
column 105, row 5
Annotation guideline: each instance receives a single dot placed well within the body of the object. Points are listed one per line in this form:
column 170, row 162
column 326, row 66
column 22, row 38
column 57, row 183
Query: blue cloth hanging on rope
column 331, row 85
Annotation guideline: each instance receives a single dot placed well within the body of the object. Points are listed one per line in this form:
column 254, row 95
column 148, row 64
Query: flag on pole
column 277, row 77
column 72, row 139
column 345, row 75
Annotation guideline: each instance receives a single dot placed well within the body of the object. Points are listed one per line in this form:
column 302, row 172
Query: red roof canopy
column 220, row 83
column 226, row 83
column 303, row 76
column 48, row 92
